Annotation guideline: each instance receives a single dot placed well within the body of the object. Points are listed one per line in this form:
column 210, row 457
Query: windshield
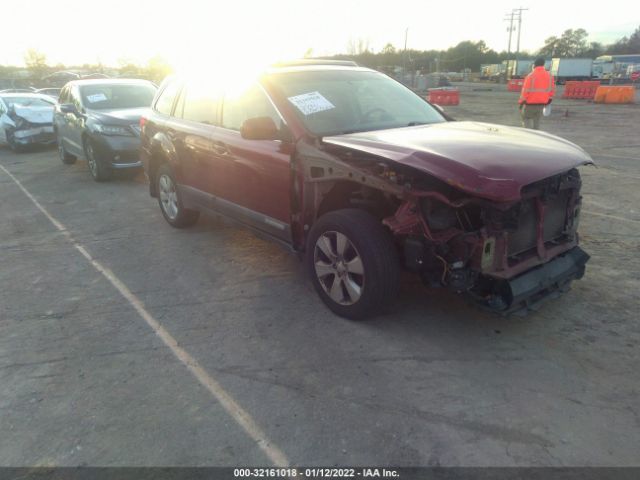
column 105, row 96
column 27, row 102
column 334, row 102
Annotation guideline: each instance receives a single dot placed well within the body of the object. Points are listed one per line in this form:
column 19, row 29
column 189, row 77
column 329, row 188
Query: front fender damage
column 504, row 255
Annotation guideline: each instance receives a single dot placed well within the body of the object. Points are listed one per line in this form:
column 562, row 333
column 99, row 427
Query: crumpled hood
column 124, row 116
column 486, row 160
column 35, row 114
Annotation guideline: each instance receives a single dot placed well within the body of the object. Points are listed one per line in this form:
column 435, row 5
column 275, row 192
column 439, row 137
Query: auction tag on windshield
column 312, row 102
column 97, row 97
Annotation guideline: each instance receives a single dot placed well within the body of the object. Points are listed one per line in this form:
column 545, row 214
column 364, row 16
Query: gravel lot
column 86, row 380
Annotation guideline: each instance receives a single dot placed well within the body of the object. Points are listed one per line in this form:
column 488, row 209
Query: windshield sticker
column 313, row 102
column 97, row 97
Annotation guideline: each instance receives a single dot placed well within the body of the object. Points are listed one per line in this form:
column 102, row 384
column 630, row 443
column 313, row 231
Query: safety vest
column 538, row 87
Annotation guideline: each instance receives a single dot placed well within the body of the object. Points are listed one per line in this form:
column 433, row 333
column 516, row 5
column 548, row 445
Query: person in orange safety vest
column 537, row 90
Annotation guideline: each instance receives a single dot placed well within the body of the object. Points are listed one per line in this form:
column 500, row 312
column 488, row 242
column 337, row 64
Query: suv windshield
column 331, row 102
column 107, row 96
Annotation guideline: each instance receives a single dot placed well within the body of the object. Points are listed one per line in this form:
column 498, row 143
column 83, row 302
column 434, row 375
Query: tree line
column 470, row 55
column 465, row 55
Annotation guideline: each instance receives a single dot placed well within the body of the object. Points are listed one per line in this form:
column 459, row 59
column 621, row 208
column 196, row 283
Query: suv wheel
column 66, row 158
column 99, row 171
column 170, row 201
column 353, row 263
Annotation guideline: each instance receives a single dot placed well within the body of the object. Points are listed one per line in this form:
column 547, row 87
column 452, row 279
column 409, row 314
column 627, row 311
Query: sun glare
column 238, row 67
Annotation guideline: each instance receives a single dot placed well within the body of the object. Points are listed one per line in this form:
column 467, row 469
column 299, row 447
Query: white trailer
column 519, row 68
column 564, row 69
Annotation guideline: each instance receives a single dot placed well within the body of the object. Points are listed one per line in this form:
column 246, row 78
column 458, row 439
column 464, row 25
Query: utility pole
column 404, row 54
column 510, row 29
column 510, row 17
column 519, row 10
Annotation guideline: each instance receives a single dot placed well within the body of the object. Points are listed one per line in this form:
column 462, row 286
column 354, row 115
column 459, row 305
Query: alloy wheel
column 339, row 268
column 91, row 159
column 168, row 196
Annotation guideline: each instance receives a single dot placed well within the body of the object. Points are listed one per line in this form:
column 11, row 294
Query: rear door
column 261, row 175
column 207, row 173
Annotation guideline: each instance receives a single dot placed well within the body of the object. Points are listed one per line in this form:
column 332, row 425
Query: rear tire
column 99, row 171
column 65, row 157
column 170, row 200
column 351, row 247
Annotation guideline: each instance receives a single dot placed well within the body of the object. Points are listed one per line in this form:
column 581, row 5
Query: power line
column 515, row 14
column 519, row 10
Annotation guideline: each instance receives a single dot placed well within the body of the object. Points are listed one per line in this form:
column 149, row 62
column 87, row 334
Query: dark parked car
column 53, row 92
column 99, row 120
column 361, row 175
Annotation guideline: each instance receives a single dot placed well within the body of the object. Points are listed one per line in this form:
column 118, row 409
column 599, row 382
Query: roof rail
column 304, row 62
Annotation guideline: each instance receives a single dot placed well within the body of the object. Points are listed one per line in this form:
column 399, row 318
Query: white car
column 26, row 119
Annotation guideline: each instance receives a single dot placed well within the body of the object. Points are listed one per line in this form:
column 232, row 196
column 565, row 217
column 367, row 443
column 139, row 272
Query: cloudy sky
column 192, row 31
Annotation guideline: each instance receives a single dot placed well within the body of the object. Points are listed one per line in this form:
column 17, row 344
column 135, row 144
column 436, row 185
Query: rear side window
column 201, row 103
column 168, row 95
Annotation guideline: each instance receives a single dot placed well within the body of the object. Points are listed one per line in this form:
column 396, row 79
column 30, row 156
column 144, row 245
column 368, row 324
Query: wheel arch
column 161, row 151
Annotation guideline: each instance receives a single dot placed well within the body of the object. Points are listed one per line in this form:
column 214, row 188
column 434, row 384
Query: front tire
column 65, row 157
column 170, row 200
column 99, row 171
column 353, row 263
column 12, row 143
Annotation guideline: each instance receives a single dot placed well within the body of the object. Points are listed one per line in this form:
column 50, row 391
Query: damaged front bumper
column 524, row 292
column 34, row 134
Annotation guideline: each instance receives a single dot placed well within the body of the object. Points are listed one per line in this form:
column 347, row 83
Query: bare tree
column 357, row 47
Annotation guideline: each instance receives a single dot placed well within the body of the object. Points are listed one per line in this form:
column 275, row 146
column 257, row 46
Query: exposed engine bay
column 505, row 255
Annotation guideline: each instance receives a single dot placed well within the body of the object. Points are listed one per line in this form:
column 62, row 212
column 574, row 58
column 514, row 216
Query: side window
column 250, row 104
column 168, row 95
column 177, row 112
column 201, row 103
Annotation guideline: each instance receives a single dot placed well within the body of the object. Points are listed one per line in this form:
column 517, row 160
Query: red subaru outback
column 364, row 177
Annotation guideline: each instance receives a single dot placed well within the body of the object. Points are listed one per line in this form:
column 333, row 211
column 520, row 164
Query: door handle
column 221, row 148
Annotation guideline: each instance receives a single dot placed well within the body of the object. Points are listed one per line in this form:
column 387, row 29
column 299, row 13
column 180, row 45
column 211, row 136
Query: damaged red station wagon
column 358, row 173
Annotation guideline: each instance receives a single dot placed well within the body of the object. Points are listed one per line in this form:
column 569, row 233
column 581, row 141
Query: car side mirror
column 68, row 108
column 259, row 128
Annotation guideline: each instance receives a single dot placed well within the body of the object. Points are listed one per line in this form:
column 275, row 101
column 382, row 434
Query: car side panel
column 262, row 173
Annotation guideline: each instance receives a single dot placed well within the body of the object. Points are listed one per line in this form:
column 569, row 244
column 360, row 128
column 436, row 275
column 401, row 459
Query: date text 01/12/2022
column 315, row 473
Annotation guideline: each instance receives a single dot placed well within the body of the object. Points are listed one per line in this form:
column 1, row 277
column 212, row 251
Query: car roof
column 319, row 67
column 314, row 62
column 24, row 94
column 110, row 81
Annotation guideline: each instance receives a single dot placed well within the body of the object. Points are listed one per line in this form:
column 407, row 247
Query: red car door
column 262, row 176
column 207, row 172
